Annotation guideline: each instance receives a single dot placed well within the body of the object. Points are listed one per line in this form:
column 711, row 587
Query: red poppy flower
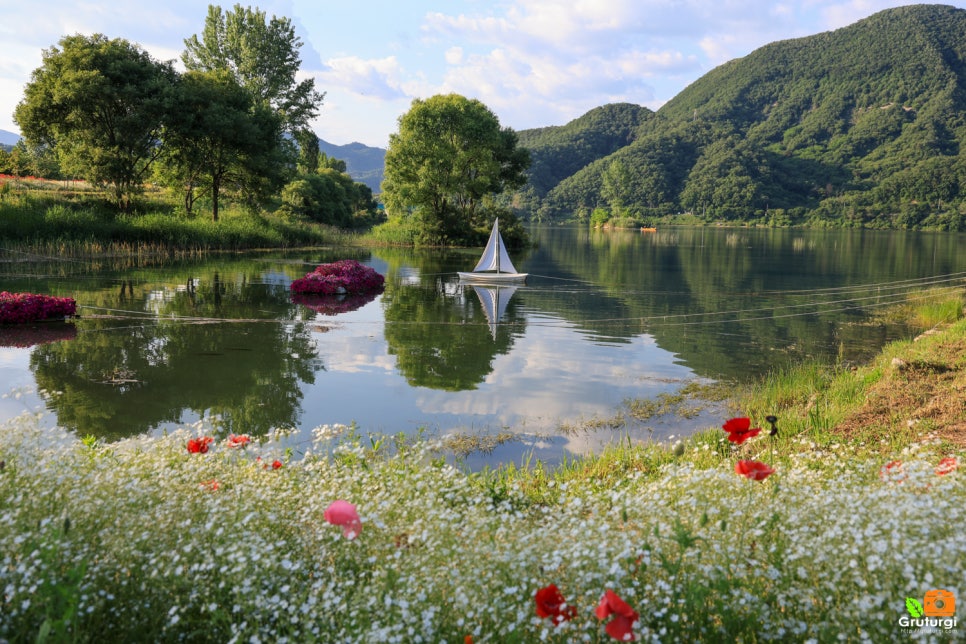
column 753, row 470
column 237, row 440
column 947, row 465
column 199, row 445
column 739, row 430
column 621, row 627
column 892, row 471
column 276, row 464
column 551, row 603
column 212, row 485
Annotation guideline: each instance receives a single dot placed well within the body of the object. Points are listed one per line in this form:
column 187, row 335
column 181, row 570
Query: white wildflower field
column 144, row 540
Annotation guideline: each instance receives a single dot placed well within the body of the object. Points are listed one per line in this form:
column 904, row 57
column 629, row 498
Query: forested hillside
column 558, row 152
column 862, row 126
column 363, row 163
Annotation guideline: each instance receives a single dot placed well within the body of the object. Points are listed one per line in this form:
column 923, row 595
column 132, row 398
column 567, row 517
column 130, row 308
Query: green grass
column 52, row 225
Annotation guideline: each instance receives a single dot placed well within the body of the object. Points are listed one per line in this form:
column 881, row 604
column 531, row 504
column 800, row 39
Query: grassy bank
column 149, row 542
column 49, row 223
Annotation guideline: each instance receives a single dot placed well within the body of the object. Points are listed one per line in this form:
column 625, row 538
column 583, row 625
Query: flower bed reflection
column 22, row 336
column 334, row 304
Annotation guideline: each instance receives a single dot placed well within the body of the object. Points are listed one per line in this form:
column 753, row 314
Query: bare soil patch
column 925, row 384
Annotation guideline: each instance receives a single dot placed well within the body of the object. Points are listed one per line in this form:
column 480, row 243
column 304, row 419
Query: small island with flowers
column 337, row 287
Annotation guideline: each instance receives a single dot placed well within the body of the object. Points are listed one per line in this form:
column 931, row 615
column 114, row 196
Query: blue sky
column 533, row 62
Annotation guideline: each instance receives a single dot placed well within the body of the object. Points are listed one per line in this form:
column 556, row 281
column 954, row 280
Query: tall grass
column 393, row 233
column 39, row 225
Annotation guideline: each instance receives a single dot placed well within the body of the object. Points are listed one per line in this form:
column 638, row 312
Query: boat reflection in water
column 494, row 299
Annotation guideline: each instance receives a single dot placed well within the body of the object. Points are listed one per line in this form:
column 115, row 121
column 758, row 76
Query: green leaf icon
column 914, row 607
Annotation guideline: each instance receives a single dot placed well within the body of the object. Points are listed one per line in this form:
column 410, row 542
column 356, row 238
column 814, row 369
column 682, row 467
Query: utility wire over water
column 868, row 296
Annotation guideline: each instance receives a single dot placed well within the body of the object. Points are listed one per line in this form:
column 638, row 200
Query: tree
column 217, row 135
column 616, row 187
column 262, row 56
column 329, row 197
column 449, row 154
column 325, row 161
column 99, row 103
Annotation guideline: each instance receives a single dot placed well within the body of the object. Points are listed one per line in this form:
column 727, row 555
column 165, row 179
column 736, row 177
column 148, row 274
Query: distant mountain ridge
column 8, row 138
column 861, row 126
column 363, row 163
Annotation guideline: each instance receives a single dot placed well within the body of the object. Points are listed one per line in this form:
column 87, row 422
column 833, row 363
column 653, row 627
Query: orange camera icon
column 939, row 603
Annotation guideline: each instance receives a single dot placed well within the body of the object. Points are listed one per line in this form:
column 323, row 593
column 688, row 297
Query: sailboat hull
column 483, row 277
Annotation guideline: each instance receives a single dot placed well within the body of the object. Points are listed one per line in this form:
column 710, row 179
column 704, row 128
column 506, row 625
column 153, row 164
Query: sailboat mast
column 499, row 246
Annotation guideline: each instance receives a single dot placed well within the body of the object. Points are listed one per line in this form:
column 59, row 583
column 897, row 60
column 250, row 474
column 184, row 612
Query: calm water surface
column 607, row 319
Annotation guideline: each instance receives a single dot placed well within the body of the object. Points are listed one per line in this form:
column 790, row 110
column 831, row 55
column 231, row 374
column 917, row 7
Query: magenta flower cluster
column 338, row 278
column 17, row 308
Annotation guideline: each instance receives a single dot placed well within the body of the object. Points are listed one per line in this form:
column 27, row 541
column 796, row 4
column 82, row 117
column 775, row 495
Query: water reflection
column 28, row 335
column 494, row 300
column 606, row 317
column 441, row 335
column 211, row 346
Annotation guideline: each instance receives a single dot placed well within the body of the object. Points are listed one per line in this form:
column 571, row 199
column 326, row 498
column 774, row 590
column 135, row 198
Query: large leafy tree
column 100, row 104
column 263, row 55
column 449, row 155
column 218, row 138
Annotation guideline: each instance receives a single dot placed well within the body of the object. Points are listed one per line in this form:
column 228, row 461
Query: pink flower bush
column 343, row 277
column 343, row 513
column 17, row 308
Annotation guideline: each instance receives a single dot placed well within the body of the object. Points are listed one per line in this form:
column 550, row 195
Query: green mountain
column 363, row 163
column 558, row 152
column 862, row 126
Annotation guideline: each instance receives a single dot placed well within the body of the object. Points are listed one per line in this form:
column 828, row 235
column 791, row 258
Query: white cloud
column 534, row 62
column 373, row 78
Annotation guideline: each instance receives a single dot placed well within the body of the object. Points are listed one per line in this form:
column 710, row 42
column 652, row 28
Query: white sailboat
column 495, row 265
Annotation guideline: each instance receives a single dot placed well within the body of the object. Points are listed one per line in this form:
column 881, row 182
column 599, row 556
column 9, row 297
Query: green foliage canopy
column 100, row 104
column 216, row 136
column 263, row 55
column 862, row 126
column 449, row 154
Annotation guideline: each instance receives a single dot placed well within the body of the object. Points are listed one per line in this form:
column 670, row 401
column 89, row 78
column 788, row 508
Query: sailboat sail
column 495, row 257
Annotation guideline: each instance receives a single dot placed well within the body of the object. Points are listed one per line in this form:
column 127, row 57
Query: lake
column 594, row 348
